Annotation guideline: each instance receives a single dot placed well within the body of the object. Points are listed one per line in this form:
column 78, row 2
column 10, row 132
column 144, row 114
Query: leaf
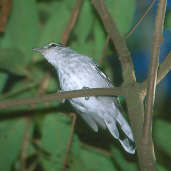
column 123, row 19
column 12, row 60
column 122, row 162
column 84, row 23
column 162, row 135
column 92, row 160
column 85, row 49
column 22, row 28
column 161, row 168
column 168, row 20
column 99, row 39
column 11, row 137
column 55, row 135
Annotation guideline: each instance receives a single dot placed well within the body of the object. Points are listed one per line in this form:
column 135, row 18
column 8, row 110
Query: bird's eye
column 52, row 45
column 55, row 45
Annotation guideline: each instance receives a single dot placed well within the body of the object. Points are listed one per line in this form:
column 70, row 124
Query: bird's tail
column 120, row 130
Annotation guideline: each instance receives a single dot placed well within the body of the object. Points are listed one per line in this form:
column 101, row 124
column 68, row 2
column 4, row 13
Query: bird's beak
column 40, row 50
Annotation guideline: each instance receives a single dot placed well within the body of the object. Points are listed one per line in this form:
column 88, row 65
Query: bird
column 76, row 71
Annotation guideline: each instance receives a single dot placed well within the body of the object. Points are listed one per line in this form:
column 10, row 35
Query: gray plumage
column 76, row 72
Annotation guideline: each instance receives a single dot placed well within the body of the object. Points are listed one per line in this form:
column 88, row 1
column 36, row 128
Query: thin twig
column 97, row 149
column 24, row 144
column 104, row 49
column 72, row 22
column 64, row 95
column 140, row 20
column 44, row 83
column 129, row 33
column 69, row 141
column 43, row 86
column 6, row 7
column 164, row 68
column 17, row 91
column 118, row 41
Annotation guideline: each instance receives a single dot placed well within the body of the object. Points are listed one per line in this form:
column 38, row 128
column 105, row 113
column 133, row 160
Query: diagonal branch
column 117, row 39
column 69, row 141
column 140, row 20
column 5, row 11
column 164, row 68
column 72, row 22
column 64, row 95
column 129, row 33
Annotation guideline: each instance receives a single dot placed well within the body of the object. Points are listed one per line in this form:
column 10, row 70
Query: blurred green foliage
column 168, row 20
column 33, row 24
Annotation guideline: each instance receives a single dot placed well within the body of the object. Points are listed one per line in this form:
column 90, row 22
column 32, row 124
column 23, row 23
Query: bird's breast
column 77, row 76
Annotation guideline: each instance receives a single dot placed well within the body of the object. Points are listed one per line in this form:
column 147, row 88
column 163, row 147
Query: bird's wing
column 101, row 74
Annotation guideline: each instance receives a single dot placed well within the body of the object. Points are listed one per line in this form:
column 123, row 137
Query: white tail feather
column 127, row 141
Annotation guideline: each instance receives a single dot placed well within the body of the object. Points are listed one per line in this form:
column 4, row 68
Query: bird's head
column 51, row 51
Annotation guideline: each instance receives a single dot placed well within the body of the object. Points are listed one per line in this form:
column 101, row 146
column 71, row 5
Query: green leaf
column 122, row 12
column 168, row 20
column 11, row 137
column 161, row 168
column 121, row 161
column 12, row 60
column 162, row 135
column 55, row 133
column 84, row 23
column 85, row 49
column 91, row 160
column 99, row 39
column 22, row 28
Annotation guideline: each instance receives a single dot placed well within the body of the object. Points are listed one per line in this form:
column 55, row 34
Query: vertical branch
column 69, row 141
column 159, row 21
column 146, row 142
column 24, row 145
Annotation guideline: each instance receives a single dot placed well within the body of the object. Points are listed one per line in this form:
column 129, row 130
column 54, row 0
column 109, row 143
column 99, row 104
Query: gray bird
column 76, row 71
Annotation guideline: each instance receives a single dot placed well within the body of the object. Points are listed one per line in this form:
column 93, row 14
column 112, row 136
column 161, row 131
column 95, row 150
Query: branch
column 147, row 144
column 103, row 51
column 164, row 68
column 129, row 33
column 6, row 7
column 64, row 95
column 43, row 86
column 152, row 78
column 140, row 20
column 72, row 22
column 68, row 147
column 117, row 39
